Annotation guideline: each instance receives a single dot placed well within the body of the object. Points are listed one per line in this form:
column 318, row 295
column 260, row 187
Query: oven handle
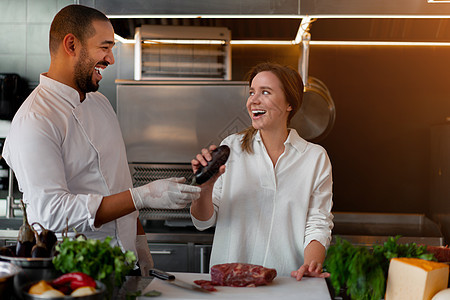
column 161, row 252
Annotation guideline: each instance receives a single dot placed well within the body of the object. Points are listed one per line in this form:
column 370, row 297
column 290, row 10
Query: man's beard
column 83, row 73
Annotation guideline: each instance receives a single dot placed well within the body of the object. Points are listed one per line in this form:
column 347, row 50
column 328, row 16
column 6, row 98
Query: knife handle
column 161, row 274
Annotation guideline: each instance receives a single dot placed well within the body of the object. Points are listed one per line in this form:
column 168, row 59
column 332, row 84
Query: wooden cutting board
column 281, row 288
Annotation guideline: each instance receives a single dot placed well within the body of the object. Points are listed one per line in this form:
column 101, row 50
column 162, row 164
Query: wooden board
column 281, row 288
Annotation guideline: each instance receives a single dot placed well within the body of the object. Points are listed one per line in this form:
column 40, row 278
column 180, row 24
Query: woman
column 272, row 206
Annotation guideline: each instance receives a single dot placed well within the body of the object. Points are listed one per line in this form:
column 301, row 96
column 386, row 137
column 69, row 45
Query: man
column 66, row 148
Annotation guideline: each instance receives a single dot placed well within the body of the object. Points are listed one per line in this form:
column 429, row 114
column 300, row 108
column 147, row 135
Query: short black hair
column 75, row 19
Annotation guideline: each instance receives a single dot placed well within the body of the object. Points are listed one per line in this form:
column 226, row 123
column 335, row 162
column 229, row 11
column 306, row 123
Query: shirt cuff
column 202, row 225
column 93, row 204
column 323, row 239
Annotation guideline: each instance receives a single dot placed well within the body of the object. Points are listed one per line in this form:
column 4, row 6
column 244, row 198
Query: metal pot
column 31, row 269
column 7, row 273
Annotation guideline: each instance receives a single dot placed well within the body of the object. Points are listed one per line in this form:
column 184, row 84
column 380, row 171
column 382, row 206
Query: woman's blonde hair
column 292, row 86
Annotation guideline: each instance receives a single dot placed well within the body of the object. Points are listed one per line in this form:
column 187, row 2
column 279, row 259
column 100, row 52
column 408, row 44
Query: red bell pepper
column 75, row 280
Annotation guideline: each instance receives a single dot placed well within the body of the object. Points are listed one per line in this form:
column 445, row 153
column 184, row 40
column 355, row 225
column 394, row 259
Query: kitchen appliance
column 13, row 92
column 182, row 52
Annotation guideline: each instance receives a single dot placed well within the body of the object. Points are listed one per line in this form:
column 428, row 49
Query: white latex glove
column 145, row 259
column 165, row 193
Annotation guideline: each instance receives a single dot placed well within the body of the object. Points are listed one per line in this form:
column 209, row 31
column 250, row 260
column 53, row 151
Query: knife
column 170, row 278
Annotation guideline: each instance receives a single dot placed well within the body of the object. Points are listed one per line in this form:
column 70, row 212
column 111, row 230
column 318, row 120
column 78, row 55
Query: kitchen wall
column 387, row 100
column 24, row 29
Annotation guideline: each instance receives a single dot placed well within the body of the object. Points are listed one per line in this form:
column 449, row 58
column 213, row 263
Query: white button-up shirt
column 267, row 215
column 67, row 155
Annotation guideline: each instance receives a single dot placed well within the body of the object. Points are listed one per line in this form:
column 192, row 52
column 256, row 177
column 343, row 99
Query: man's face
column 95, row 55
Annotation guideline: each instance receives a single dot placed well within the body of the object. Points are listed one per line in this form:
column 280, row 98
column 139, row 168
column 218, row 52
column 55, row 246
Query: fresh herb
column 391, row 249
column 95, row 258
column 363, row 271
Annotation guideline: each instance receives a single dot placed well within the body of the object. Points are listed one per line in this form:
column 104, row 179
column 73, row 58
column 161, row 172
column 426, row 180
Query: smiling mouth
column 258, row 112
column 98, row 70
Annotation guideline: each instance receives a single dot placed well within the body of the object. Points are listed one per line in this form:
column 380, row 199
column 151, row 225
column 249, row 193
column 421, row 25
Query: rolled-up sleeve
column 39, row 165
column 319, row 222
column 216, row 196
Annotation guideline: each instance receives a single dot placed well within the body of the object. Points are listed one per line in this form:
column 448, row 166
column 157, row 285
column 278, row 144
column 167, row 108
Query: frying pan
column 317, row 114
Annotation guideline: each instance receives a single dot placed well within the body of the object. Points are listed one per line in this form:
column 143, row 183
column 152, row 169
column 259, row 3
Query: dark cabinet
column 183, row 257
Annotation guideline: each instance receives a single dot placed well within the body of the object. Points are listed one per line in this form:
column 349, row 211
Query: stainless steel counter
column 367, row 229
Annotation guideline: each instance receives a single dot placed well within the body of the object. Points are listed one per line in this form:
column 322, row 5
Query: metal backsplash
column 166, row 123
column 171, row 121
column 145, row 173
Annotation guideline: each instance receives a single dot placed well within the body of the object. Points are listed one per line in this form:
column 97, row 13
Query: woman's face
column 267, row 104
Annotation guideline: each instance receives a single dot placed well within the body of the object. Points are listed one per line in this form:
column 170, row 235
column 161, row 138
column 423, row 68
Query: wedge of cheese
column 413, row 278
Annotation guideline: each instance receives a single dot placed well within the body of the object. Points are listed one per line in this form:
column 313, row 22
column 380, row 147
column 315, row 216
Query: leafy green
column 391, row 249
column 338, row 256
column 96, row 258
column 366, row 278
column 363, row 271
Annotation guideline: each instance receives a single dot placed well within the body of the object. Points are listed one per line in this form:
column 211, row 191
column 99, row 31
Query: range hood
column 270, row 7
column 339, row 20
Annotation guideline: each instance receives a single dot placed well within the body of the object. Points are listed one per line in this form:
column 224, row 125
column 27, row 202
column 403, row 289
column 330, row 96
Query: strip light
column 316, row 43
column 230, row 16
column 189, row 42
column 374, row 43
column 123, row 40
column 304, row 26
column 271, row 16
column 261, row 42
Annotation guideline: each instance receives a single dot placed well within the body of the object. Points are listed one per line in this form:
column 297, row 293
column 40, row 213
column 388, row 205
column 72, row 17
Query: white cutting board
column 281, row 288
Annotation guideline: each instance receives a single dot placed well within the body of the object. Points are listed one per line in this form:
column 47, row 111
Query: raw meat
column 240, row 274
column 206, row 285
column 441, row 253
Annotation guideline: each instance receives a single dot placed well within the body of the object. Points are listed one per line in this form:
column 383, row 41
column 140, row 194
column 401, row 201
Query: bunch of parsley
column 363, row 271
column 95, row 258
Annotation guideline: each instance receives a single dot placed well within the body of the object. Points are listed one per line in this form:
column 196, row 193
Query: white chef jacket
column 67, row 155
column 267, row 215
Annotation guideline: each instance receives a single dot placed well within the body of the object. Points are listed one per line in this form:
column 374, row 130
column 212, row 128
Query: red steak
column 442, row 254
column 240, row 274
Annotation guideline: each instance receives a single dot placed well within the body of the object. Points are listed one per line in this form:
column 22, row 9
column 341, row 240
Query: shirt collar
column 293, row 139
column 66, row 92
